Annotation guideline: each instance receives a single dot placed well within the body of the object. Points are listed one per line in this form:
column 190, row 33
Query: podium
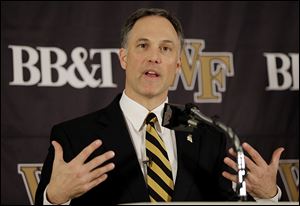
column 216, row 203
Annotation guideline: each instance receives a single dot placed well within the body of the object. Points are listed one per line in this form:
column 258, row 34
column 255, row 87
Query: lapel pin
column 189, row 138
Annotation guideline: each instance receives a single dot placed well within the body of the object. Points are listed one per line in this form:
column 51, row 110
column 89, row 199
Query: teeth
column 151, row 72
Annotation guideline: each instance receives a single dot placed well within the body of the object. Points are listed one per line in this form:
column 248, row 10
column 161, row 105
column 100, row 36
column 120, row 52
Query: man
column 102, row 157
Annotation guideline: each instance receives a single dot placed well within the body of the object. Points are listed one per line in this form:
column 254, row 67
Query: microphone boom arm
column 196, row 117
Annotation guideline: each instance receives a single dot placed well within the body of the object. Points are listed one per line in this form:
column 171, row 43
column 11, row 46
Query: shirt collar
column 136, row 113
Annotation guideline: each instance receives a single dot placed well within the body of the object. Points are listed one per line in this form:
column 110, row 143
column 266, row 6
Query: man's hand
column 261, row 177
column 73, row 179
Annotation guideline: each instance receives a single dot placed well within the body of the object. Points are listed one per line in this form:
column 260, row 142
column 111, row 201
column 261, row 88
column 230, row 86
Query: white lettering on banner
column 43, row 77
column 279, row 64
column 208, row 69
column 18, row 65
column 46, row 66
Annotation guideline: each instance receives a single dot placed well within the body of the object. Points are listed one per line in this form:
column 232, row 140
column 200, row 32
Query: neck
column 149, row 102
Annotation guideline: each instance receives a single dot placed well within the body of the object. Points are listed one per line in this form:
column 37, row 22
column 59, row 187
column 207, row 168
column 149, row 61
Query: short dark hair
column 129, row 23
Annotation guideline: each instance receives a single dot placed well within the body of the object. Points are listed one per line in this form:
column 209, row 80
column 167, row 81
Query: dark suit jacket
column 200, row 163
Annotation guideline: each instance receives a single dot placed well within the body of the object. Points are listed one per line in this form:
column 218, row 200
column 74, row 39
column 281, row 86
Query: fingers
column 249, row 163
column 276, row 156
column 58, row 151
column 96, row 182
column 251, row 166
column 99, row 175
column 257, row 157
column 254, row 155
column 99, row 160
column 87, row 151
column 229, row 176
column 230, row 163
column 232, row 152
column 101, row 171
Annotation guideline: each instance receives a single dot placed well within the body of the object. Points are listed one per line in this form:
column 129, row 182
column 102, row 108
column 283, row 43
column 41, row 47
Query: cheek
column 135, row 60
column 171, row 73
column 172, row 68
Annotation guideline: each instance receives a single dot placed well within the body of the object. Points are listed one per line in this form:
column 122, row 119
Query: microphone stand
column 195, row 117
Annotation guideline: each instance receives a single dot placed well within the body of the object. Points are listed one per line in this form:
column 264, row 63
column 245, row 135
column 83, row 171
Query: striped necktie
column 159, row 172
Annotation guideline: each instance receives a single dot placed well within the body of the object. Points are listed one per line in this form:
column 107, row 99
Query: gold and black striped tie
column 159, row 172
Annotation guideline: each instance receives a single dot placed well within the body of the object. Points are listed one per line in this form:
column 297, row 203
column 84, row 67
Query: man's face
column 151, row 59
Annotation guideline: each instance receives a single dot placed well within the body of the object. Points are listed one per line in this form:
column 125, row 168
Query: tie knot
column 151, row 118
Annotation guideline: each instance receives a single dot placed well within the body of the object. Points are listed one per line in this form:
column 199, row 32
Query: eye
column 142, row 45
column 166, row 49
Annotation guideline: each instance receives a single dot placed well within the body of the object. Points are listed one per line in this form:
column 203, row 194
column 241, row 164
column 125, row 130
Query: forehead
column 153, row 28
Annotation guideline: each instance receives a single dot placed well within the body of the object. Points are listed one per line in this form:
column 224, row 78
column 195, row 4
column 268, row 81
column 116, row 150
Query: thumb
column 276, row 156
column 58, row 151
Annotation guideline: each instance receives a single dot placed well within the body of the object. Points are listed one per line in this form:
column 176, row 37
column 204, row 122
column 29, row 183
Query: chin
column 151, row 94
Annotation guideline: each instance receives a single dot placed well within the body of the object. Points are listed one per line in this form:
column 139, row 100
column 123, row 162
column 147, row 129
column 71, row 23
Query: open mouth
column 151, row 74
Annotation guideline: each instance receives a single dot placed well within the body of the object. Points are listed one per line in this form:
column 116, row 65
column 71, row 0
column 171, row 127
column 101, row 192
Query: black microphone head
column 175, row 117
column 189, row 106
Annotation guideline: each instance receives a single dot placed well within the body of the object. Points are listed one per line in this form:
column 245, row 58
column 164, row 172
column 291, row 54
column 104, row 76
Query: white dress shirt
column 135, row 115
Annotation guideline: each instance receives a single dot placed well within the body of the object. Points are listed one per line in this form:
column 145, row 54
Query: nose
column 154, row 57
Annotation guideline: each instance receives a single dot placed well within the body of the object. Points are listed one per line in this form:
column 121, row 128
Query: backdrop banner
column 59, row 60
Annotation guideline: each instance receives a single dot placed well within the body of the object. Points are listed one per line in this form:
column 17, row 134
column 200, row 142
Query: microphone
column 193, row 109
column 198, row 117
column 176, row 117
column 188, row 117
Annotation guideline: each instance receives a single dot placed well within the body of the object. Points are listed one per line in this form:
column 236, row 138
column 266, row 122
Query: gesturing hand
column 73, row 179
column 261, row 177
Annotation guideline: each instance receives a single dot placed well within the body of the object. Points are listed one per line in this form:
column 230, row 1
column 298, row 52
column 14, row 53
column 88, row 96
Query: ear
column 178, row 64
column 123, row 58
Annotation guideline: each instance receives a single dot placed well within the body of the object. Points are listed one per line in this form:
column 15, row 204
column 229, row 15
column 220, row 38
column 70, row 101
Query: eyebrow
column 168, row 41
column 163, row 41
column 142, row 39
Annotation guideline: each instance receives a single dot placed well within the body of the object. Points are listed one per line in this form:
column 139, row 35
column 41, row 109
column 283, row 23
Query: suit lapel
column 187, row 146
column 118, row 140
